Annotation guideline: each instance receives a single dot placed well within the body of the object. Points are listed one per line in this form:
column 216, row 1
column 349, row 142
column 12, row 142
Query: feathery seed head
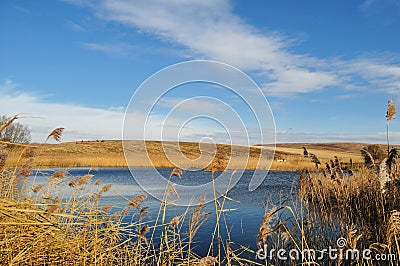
column 56, row 134
column 391, row 110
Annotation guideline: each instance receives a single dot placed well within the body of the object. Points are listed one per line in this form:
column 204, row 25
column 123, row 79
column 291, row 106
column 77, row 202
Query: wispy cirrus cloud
column 375, row 6
column 75, row 26
column 210, row 30
column 116, row 49
column 379, row 137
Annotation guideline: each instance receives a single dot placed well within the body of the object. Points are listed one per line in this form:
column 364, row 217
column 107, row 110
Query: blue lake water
column 278, row 188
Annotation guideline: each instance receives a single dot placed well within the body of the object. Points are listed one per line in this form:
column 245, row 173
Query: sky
column 325, row 69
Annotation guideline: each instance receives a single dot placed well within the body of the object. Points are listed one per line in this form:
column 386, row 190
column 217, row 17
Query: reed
column 357, row 204
column 62, row 221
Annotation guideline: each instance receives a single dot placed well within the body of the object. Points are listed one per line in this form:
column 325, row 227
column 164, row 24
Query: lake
column 278, row 188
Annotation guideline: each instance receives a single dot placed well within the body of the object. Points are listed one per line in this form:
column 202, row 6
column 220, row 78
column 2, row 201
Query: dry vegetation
column 39, row 226
column 110, row 153
column 62, row 222
column 360, row 204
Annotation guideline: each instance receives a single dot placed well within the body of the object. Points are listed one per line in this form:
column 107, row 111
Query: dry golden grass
column 184, row 154
column 340, row 203
column 62, row 221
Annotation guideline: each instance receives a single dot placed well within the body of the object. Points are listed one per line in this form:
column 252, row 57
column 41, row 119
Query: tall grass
column 63, row 221
column 360, row 204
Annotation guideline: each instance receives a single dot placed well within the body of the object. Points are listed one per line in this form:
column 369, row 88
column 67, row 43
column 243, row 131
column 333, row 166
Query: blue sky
column 327, row 69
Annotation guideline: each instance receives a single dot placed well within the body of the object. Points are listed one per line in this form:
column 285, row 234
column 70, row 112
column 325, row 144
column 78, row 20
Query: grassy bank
column 109, row 153
column 62, row 222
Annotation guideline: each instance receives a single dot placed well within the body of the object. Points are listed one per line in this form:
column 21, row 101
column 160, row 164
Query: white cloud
column 202, row 105
column 107, row 123
column 42, row 117
column 101, row 123
column 74, row 26
column 291, row 81
column 378, row 137
column 119, row 49
column 210, row 30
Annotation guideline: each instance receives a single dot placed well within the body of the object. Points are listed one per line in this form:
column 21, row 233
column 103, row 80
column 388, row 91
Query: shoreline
column 110, row 154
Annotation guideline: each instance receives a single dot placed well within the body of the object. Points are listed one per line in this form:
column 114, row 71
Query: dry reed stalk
column 143, row 212
column 352, row 237
column 393, row 229
column 171, row 190
column 305, row 152
column 142, row 233
column 9, row 121
column 29, row 152
column 221, row 160
column 3, row 159
column 197, row 218
column 26, row 168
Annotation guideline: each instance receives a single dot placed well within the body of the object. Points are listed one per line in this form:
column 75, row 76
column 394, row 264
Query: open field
column 110, row 153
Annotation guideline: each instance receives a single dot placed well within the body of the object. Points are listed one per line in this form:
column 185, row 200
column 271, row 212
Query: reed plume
column 57, row 175
column 29, row 152
column 197, row 218
column 352, row 237
column 314, row 159
column 56, row 134
column 176, row 172
column 107, row 207
column 391, row 110
column 37, row 188
column 105, row 188
column 83, row 180
column 305, row 152
column 368, row 159
column 265, row 227
column 143, row 212
column 393, row 156
column 383, row 175
column 207, row 261
column 26, row 168
column 174, row 222
column 390, row 113
column 73, row 182
column 136, row 201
